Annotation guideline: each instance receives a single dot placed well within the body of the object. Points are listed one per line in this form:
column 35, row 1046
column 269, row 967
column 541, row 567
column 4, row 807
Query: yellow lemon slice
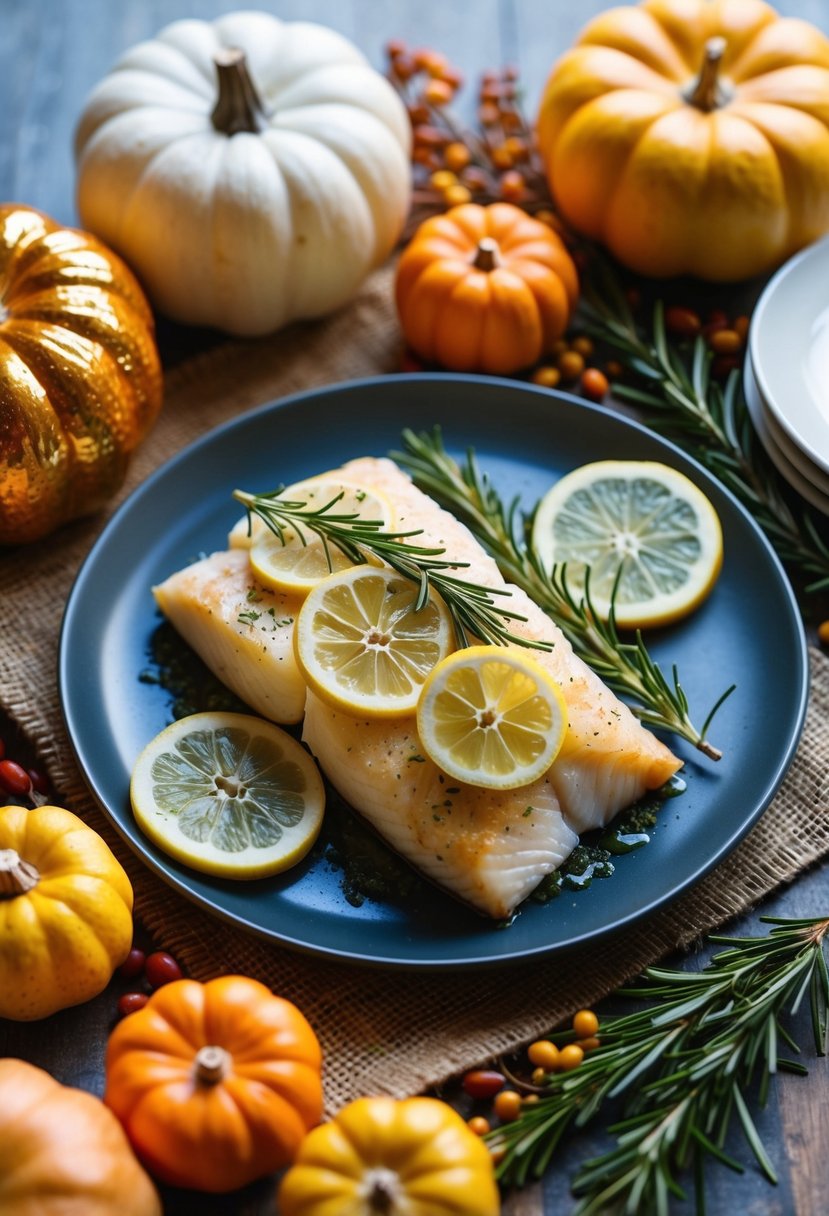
column 491, row 716
column 640, row 517
column 362, row 646
column 228, row 794
column 303, row 559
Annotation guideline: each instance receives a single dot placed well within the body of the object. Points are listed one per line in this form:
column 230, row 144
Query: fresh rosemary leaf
column 687, row 1071
column 475, row 611
column 502, row 529
column 682, row 401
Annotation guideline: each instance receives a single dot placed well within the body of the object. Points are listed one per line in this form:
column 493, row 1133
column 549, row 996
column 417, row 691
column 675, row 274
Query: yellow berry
column 571, row 365
column 570, row 1057
column 456, row 195
column 544, row 1054
column 457, row 156
column 443, row 179
column 507, row 1105
column 478, row 1124
column 539, row 1076
column 547, row 377
column 585, row 1023
column 583, row 345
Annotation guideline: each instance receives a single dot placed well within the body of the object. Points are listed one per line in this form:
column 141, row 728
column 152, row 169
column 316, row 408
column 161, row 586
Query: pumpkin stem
column 238, row 106
column 382, row 1191
column 17, row 877
column 212, row 1065
column 707, row 92
column 486, row 255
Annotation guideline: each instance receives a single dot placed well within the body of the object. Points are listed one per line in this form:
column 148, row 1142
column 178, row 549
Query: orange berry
column 418, row 114
column 547, row 377
column 510, row 119
column 583, row 345
column 403, row 66
column 544, row 1054
column 590, row 1044
column 488, row 114
column 570, row 1057
column 823, row 633
column 517, row 148
column 426, row 136
column 571, row 365
column 422, row 57
column 501, row 157
column 740, row 326
column 507, row 1105
column 478, row 1124
column 614, row 368
column 539, row 1076
column 438, row 92
column 512, row 186
column 585, row 1023
column 456, row 195
column 594, row 384
column 457, row 156
column 725, row 342
column 425, row 156
column 682, row 322
column 442, row 178
column 529, row 1099
column 395, row 48
column 452, row 77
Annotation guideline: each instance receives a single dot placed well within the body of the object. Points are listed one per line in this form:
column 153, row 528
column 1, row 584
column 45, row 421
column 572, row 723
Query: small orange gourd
column 215, row 1084
column 65, row 912
column 692, row 136
column 486, row 289
column 80, row 378
column 382, row 1157
column 62, row 1151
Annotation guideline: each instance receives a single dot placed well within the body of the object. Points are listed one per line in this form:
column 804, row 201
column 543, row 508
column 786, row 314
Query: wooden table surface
column 51, row 54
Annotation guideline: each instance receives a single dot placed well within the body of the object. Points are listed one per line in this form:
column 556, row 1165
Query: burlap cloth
column 381, row 1032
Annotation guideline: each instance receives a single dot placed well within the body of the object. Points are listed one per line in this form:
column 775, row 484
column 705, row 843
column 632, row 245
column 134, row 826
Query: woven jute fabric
column 380, row 1032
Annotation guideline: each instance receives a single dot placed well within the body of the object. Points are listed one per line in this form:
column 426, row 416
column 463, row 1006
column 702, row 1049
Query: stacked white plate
column 787, row 372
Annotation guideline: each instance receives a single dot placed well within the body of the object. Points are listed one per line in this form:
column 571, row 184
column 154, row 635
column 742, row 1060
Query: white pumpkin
column 251, row 171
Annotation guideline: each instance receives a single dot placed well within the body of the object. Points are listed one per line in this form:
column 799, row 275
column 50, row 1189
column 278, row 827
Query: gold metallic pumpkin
column 80, row 379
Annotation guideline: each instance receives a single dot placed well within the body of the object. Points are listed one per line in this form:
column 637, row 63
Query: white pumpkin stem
column 238, row 106
column 487, row 255
column 381, row 1191
column 707, row 92
column 211, row 1065
column 17, row 876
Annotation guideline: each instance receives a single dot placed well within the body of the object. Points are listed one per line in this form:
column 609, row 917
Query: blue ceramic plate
column 748, row 632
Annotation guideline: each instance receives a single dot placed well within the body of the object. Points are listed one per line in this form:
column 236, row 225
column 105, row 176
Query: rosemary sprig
column 626, row 667
column 679, row 398
column 686, row 1067
column 474, row 610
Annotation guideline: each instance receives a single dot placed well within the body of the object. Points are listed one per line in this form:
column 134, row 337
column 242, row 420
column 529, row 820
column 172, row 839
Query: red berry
column 2, row 748
column 160, row 969
column 483, row 1083
column 14, row 778
column 133, row 964
column 131, row 1001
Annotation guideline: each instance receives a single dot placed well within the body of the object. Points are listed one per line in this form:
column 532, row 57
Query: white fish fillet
column 241, row 630
column 489, row 849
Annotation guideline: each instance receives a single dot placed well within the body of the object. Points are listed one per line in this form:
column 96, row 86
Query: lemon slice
column 303, row 559
column 642, row 516
column 362, row 647
column 228, row 794
column 491, row 716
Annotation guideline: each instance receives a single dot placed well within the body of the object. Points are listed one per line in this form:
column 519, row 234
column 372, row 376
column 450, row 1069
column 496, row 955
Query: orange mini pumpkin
column 216, row 1084
column 62, row 1151
column 692, row 136
column 485, row 289
column 80, row 378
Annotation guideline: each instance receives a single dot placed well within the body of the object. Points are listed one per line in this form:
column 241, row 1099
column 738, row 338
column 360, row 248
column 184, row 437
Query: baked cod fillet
column 488, row 848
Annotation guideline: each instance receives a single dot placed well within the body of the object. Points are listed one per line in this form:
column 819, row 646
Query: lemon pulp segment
column 228, row 794
column 362, row 646
column 640, row 521
column 491, row 716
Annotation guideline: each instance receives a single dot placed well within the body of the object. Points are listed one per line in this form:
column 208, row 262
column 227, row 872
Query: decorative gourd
column 65, row 912
column 381, row 1157
column 485, row 289
column 216, row 1084
column 692, row 136
column 251, row 171
column 62, row 1151
column 80, row 381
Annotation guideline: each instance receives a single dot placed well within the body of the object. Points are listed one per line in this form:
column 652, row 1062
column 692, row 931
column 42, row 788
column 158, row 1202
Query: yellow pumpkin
column 80, row 379
column 382, row 1157
column 65, row 912
column 485, row 289
column 692, row 136
column 63, row 1152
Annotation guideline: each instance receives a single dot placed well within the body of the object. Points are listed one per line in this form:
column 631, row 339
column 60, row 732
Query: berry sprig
column 19, row 782
column 496, row 161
